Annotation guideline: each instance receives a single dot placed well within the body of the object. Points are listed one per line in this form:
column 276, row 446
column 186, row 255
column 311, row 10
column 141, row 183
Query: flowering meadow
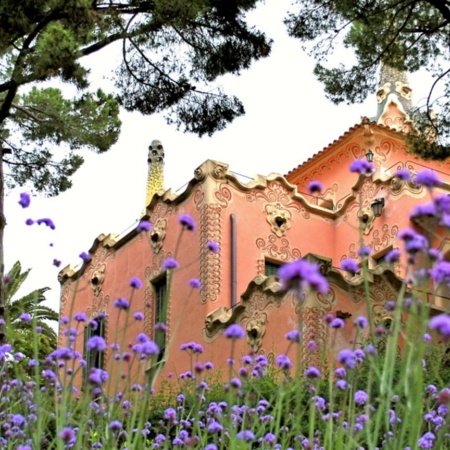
column 390, row 389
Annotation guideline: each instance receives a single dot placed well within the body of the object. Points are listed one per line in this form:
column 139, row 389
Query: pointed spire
column 155, row 177
column 394, row 99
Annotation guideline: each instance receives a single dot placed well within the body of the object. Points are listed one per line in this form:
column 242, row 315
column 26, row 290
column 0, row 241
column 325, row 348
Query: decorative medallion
column 97, row 279
column 157, row 235
column 278, row 218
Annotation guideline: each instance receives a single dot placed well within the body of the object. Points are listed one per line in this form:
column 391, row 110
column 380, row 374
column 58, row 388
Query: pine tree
column 172, row 52
column 406, row 35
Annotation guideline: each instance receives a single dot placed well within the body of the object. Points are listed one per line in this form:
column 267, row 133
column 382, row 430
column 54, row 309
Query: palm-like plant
column 19, row 331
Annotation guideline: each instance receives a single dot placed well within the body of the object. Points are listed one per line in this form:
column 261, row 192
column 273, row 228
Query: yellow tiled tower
column 155, row 178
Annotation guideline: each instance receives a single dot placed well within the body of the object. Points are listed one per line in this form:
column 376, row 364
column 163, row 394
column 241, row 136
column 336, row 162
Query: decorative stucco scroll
column 280, row 250
column 99, row 305
column 210, row 263
column 279, row 198
column 213, row 196
column 382, row 239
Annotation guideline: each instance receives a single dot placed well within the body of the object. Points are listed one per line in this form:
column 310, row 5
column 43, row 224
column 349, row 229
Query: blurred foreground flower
column 24, row 201
column 301, row 274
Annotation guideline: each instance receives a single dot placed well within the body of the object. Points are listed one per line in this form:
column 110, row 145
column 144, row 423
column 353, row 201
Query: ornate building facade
column 258, row 226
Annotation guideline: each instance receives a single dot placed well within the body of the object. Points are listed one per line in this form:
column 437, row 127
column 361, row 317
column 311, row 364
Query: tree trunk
column 2, row 265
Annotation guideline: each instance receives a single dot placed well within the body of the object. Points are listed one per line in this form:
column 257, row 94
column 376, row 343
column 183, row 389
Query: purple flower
column 62, row 353
column 236, row 383
column 435, row 254
column 48, row 222
column 403, row 174
column 364, row 251
column 427, row 440
column 441, row 272
column 135, row 283
column 293, row 336
column 160, row 326
column 24, row 201
column 56, row 262
column 315, row 187
column 340, row 372
column 115, row 425
column 312, row 372
column 302, row 274
column 194, row 283
column 122, row 303
column 149, row 348
column 440, row 323
column 170, row 263
column 283, row 362
column 426, row 209
column 187, row 222
column 18, row 420
column 390, row 305
column 29, row 222
column 214, row 427
column 80, row 317
column 144, row 225
column 97, row 376
column 417, row 244
column 246, row 435
column 49, row 374
column 234, row 331
column 68, row 435
column 350, row 265
column 138, row 316
column 427, row 178
column 347, row 358
column 407, row 234
column 213, row 246
column 361, row 322
column 86, row 257
column 96, row 343
column 392, row 256
column 341, row 384
column 25, row 317
column 361, row 397
column 362, row 167
column 337, row 323
column 170, row 414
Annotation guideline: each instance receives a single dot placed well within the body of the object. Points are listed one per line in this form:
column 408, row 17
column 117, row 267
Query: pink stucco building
column 260, row 225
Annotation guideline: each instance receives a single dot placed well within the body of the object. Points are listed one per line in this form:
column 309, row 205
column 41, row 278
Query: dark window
column 160, row 287
column 271, row 268
column 93, row 358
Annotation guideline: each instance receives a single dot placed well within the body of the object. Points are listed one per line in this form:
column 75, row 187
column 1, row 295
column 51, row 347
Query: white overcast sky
column 287, row 120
